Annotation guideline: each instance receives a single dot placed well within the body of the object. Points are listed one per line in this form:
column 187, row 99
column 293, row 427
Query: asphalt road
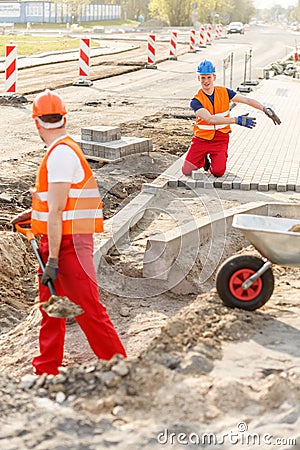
column 135, row 92
column 173, row 83
column 173, row 79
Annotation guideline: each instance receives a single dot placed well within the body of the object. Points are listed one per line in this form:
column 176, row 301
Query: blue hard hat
column 206, row 67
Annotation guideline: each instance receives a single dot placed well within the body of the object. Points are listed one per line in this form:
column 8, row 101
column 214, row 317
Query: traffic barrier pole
column 217, row 31
column 192, row 41
column 173, row 46
column 247, row 83
column 296, row 56
column 84, row 62
column 208, row 34
column 11, row 68
column 151, row 52
column 220, row 30
column 226, row 65
column 202, row 39
column 84, row 57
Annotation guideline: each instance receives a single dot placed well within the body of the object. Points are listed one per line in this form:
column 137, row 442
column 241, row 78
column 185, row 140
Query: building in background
column 48, row 12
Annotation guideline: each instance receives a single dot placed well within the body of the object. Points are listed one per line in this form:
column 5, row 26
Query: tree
column 294, row 13
column 132, row 9
column 179, row 13
column 207, row 11
column 213, row 11
column 241, row 10
column 174, row 12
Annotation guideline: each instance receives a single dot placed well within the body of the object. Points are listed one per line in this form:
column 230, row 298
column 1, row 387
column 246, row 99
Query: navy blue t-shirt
column 195, row 104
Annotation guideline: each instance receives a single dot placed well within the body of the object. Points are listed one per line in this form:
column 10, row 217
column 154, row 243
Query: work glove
column 245, row 121
column 50, row 271
column 270, row 113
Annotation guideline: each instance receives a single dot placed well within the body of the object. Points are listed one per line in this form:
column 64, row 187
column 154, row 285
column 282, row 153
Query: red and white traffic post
column 296, row 54
column 192, row 41
column 151, row 52
column 84, row 63
column 202, row 38
column 217, row 31
column 11, row 68
column 173, row 46
column 208, row 34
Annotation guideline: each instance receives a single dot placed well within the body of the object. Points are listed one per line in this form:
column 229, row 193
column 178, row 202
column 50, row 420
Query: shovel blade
column 61, row 307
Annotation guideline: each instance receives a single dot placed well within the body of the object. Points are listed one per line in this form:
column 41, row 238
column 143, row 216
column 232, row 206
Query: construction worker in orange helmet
column 47, row 103
column 66, row 211
column 211, row 104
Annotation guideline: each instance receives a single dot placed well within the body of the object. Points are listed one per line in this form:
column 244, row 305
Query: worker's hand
column 21, row 217
column 245, row 121
column 270, row 113
column 50, row 272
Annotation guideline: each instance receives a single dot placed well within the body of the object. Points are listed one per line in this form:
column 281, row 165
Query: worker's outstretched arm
column 219, row 119
column 238, row 98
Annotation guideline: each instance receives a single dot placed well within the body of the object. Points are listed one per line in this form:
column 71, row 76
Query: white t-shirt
column 64, row 166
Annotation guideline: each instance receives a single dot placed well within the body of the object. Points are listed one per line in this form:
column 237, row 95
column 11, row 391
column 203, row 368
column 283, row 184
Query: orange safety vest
column 83, row 211
column 206, row 130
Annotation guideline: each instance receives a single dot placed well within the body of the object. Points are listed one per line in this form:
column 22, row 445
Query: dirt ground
column 194, row 366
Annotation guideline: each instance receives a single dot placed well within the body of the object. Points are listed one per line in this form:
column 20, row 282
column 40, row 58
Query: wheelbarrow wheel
column 230, row 277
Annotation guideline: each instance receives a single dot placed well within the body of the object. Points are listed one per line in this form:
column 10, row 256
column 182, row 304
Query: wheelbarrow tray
column 270, row 236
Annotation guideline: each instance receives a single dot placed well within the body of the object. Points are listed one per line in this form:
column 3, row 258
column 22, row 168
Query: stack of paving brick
column 106, row 143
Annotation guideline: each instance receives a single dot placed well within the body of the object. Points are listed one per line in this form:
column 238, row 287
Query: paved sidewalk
column 268, row 156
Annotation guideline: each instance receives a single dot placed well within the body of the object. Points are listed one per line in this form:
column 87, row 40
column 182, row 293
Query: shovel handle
column 24, row 228
column 42, row 265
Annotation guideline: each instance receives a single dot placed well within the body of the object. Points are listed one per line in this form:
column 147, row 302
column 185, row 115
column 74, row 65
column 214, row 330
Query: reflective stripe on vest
column 83, row 209
column 70, row 215
column 206, row 130
column 73, row 193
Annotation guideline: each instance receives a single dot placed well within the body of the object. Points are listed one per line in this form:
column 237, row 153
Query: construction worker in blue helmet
column 211, row 104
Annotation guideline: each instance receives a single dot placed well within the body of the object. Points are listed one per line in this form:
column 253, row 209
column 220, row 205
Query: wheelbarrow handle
column 24, row 228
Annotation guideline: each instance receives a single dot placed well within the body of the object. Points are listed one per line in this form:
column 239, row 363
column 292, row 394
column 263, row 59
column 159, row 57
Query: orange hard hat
column 46, row 103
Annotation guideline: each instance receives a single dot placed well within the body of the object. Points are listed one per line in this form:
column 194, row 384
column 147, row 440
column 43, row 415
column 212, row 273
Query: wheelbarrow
column 247, row 281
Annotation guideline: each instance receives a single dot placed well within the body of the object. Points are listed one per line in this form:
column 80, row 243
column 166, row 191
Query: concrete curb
column 120, row 224
column 163, row 249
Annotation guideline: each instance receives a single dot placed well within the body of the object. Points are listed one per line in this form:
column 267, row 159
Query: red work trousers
column 217, row 149
column 76, row 280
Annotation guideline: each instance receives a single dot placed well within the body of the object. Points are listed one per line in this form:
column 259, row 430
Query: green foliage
column 156, row 9
column 29, row 45
column 241, row 11
column 174, row 12
column 132, row 9
column 179, row 12
column 214, row 10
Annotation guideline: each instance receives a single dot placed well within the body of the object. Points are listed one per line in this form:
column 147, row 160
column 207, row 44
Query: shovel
column 56, row 306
